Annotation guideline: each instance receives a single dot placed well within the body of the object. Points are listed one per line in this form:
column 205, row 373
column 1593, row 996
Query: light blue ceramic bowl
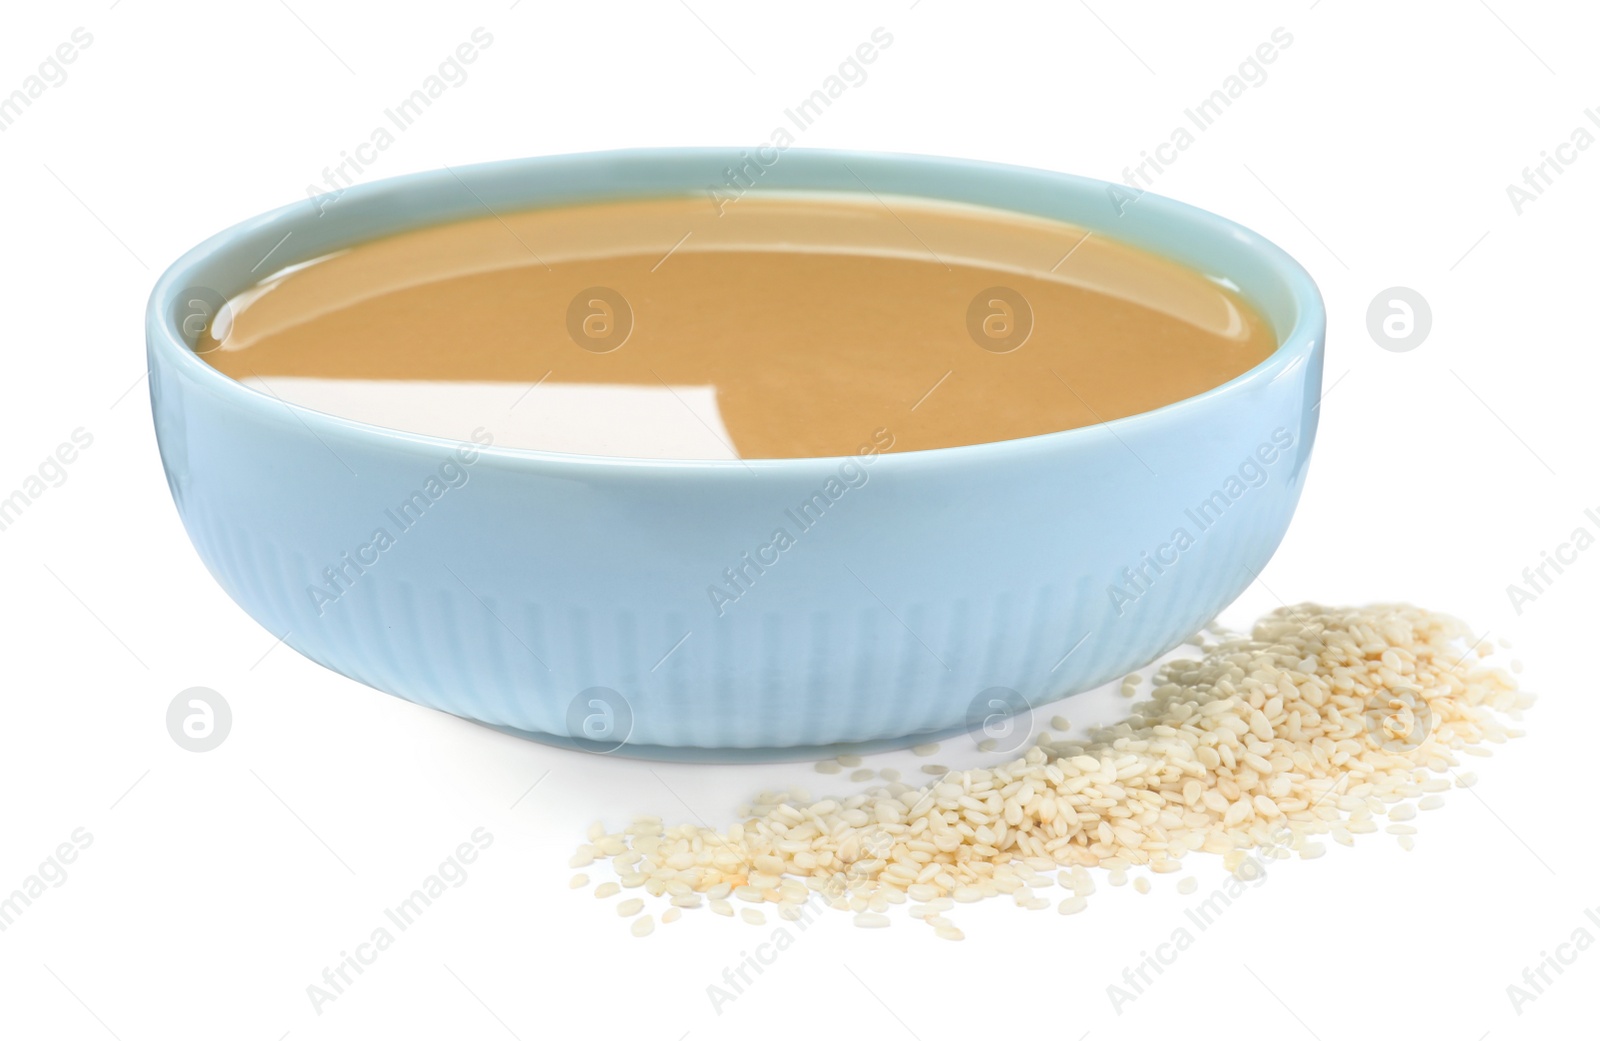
column 566, row 597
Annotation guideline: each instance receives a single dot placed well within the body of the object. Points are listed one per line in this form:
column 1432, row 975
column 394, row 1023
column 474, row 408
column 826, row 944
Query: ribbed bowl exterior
column 571, row 597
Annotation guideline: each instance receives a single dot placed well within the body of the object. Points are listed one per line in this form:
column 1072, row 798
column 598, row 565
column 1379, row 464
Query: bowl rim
column 167, row 346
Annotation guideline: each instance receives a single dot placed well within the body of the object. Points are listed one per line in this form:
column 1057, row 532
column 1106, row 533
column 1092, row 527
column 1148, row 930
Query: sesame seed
column 1319, row 722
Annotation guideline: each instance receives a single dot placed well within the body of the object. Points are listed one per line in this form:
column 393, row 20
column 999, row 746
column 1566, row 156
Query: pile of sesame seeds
column 1319, row 722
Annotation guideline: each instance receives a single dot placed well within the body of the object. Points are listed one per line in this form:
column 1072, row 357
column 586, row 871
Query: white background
column 219, row 885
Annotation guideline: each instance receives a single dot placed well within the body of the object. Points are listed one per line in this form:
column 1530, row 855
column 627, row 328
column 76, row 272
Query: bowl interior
column 1224, row 252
